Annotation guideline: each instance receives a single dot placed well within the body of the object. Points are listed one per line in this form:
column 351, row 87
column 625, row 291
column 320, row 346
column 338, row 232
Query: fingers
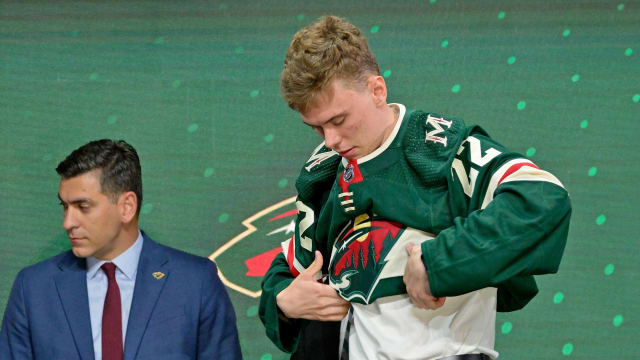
column 439, row 301
column 424, row 301
column 417, row 282
column 413, row 250
column 408, row 247
column 306, row 298
column 432, row 303
column 314, row 268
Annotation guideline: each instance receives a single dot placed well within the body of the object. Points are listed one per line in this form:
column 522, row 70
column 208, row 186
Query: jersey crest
column 359, row 256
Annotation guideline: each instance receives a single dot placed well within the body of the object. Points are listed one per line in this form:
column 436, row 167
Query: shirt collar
column 127, row 262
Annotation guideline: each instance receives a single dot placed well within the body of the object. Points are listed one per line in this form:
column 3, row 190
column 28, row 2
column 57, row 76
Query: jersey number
column 468, row 180
column 304, row 224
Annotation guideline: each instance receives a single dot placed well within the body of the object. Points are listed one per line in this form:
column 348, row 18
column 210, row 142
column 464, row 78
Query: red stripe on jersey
column 515, row 168
column 290, row 256
column 356, row 177
column 283, row 215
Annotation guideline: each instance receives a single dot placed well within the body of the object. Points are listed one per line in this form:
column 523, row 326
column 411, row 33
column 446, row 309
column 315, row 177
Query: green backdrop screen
column 193, row 85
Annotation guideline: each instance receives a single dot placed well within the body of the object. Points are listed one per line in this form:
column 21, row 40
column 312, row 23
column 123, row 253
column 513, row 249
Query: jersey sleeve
column 313, row 186
column 516, row 225
column 283, row 332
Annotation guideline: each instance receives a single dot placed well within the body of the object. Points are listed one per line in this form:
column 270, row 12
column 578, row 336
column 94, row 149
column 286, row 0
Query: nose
column 332, row 138
column 69, row 221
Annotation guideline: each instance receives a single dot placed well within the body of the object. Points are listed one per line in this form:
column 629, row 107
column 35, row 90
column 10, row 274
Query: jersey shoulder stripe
column 519, row 169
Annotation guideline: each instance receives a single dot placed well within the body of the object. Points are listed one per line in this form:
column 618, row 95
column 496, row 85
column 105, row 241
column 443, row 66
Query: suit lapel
column 71, row 283
column 146, row 293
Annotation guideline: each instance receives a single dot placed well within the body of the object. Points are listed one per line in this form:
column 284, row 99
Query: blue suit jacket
column 186, row 314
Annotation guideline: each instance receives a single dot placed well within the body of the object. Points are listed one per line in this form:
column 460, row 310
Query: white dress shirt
column 126, row 269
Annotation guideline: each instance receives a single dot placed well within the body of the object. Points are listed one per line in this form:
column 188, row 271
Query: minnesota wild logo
column 368, row 258
column 256, row 247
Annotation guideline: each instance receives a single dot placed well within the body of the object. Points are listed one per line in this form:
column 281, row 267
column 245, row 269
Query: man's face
column 348, row 119
column 92, row 221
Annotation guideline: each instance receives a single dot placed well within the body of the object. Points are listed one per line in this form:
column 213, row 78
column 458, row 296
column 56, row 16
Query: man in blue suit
column 116, row 294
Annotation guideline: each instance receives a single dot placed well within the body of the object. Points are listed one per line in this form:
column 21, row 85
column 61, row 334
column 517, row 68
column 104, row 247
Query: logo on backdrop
column 244, row 260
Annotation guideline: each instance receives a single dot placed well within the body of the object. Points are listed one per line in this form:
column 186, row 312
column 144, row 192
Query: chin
column 81, row 253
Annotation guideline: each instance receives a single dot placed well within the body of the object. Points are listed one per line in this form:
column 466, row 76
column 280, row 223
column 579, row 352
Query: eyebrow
column 76, row 201
column 344, row 113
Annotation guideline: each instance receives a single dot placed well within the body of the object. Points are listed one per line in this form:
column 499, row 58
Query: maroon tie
column 111, row 317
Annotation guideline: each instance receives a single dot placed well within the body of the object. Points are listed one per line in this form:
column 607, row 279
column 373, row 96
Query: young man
column 423, row 226
column 116, row 294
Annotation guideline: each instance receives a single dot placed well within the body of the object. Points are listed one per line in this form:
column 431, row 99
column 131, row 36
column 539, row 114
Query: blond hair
column 331, row 48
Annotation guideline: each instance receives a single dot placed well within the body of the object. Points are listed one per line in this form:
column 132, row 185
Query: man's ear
column 378, row 90
column 128, row 206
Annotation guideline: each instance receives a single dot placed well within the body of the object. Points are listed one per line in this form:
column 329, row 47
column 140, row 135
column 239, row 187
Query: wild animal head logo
column 243, row 260
column 359, row 256
column 369, row 258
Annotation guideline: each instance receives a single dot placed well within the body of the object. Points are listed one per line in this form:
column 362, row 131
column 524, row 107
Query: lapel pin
column 158, row 275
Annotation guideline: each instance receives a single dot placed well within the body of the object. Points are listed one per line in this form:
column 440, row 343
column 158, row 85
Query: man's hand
column 306, row 298
column 416, row 281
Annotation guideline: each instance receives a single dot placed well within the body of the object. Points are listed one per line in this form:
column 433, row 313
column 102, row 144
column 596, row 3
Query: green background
column 193, row 85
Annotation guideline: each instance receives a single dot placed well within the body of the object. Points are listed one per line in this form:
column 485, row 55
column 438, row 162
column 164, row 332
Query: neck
column 391, row 115
column 126, row 238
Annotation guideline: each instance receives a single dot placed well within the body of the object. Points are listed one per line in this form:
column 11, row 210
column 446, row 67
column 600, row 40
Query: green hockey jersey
column 484, row 216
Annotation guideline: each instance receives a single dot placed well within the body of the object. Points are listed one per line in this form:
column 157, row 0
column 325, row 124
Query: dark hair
column 118, row 162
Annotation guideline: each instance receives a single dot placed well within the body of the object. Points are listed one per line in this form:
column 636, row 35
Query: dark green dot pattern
column 609, row 269
column 558, row 298
column 531, row 151
column 194, row 86
column 252, row 311
column 618, row 320
column 506, row 327
column 521, row 105
column 223, row 218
